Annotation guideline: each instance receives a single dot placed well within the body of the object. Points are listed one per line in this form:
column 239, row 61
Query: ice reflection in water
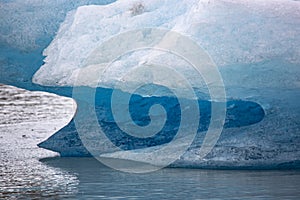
column 100, row 182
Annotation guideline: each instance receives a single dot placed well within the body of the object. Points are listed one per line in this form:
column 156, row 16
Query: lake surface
column 28, row 172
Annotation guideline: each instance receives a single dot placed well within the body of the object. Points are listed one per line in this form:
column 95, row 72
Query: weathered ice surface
column 255, row 45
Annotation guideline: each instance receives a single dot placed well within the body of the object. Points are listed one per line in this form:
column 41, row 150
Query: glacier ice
column 232, row 32
column 27, row 24
column 27, row 27
column 255, row 45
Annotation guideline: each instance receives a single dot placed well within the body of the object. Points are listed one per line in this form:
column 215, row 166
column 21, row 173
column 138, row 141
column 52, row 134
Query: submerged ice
column 255, row 45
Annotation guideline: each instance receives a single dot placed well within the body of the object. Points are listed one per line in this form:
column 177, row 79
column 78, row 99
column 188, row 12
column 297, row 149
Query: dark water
column 95, row 180
column 28, row 172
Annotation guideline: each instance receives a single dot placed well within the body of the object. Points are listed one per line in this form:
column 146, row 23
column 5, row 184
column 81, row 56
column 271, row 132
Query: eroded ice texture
column 232, row 32
column 239, row 114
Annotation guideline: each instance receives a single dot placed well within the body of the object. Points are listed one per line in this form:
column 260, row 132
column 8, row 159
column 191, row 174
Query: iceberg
column 254, row 46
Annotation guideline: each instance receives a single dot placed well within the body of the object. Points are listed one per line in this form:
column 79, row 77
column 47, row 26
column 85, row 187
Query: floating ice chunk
column 254, row 43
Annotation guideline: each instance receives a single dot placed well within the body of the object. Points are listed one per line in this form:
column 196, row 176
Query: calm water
column 27, row 172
